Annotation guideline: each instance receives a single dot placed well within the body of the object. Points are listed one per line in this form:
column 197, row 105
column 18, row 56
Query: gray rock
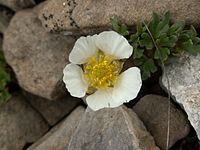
column 184, row 79
column 58, row 137
column 153, row 111
column 53, row 111
column 111, row 129
column 19, row 124
column 5, row 16
column 17, row 4
column 36, row 56
column 84, row 15
column 1, row 42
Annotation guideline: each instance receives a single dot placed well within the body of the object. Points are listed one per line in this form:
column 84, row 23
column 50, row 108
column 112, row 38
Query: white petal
column 83, row 49
column 113, row 44
column 128, row 85
column 74, row 80
column 101, row 99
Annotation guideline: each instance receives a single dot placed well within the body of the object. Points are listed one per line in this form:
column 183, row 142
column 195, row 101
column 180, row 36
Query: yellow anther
column 102, row 71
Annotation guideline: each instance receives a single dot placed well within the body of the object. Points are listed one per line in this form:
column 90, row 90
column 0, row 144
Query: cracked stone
column 19, row 124
column 153, row 111
column 85, row 16
column 184, row 79
column 111, row 129
column 36, row 56
column 59, row 136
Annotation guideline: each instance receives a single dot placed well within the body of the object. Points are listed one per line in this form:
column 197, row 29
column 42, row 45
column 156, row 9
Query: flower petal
column 114, row 44
column 83, row 49
column 128, row 86
column 101, row 99
column 74, row 80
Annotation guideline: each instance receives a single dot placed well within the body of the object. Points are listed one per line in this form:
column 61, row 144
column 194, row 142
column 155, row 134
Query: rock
column 1, row 42
column 36, row 56
column 59, row 137
column 53, row 111
column 19, row 124
column 111, row 129
column 5, row 16
column 84, row 15
column 184, row 80
column 17, row 4
column 153, row 111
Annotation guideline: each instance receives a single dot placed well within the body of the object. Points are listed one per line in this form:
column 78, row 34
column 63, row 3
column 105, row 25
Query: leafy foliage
column 4, row 79
column 156, row 42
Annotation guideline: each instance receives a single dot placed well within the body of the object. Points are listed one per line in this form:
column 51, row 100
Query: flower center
column 101, row 71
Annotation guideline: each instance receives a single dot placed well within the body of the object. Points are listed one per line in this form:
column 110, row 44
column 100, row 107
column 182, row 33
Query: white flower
column 95, row 71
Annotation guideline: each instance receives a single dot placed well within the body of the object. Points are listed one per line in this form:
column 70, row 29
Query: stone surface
column 111, row 129
column 17, row 4
column 153, row 111
column 82, row 15
column 36, row 56
column 184, row 80
column 19, row 124
column 58, row 137
column 5, row 16
column 53, row 111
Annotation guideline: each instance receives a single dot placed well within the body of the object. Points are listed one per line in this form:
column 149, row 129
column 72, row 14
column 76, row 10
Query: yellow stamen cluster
column 102, row 71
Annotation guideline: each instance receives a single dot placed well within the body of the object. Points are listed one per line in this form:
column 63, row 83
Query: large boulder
column 53, row 111
column 184, row 79
column 17, row 4
column 20, row 124
column 111, row 129
column 58, row 137
column 153, row 111
column 36, row 56
column 84, row 15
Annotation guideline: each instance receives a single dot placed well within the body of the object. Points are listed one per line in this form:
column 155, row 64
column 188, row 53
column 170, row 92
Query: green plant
column 4, row 79
column 155, row 42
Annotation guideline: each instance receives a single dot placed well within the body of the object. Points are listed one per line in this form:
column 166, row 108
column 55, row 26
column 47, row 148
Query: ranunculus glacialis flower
column 95, row 71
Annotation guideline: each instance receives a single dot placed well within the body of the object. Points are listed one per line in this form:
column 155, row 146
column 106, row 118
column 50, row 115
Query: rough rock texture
column 111, row 129
column 80, row 15
column 153, row 111
column 36, row 56
column 54, row 111
column 58, row 137
column 5, row 16
column 17, row 4
column 184, row 79
column 19, row 124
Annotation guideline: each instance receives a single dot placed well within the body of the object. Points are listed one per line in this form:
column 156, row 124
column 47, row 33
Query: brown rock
column 82, row 15
column 17, row 4
column 53, row 111
column 19, row 124
column 153, row 111
column 111, row 129
column 58, row 138
column 5, row 16
column 36, row 56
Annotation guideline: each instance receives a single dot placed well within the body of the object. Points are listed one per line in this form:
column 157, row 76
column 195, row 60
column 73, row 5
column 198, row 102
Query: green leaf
column 154, row 24
column 147, row 68
column 163, row 25
column 190, row 48
column 115, row 23
column 162, row 54
column 146, row 41
column 176, row 27
column 118, row 26
column 138, row 53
